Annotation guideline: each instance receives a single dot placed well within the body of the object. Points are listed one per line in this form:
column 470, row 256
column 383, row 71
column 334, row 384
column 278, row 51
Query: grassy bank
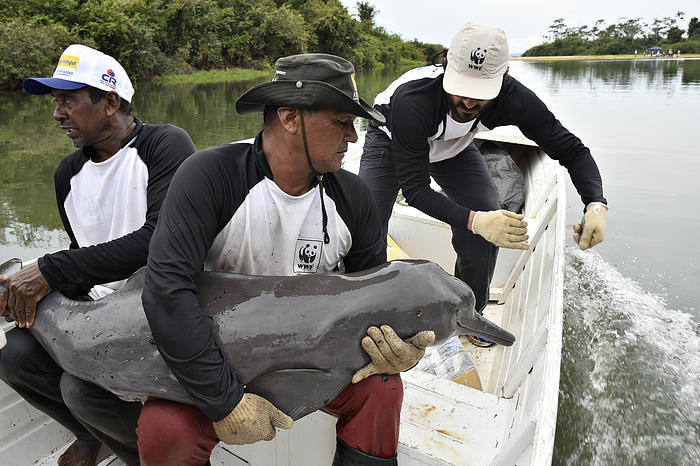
column 598, row 57
column 199, row 77
column 242, row 74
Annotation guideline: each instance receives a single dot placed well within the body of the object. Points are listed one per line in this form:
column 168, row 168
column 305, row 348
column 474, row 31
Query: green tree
column 694, row 29
column 366, row 11
column 674, row 34
column 558, row 29
column 31, row 49
column 656, row 28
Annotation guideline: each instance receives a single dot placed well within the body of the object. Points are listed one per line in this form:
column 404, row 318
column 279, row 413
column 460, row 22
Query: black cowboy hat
column 310, row 80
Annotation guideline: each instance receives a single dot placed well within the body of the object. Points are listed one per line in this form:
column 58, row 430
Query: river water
column 629, row 391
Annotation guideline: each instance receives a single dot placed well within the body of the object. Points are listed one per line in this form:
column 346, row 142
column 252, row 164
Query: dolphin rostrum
column 294, row 340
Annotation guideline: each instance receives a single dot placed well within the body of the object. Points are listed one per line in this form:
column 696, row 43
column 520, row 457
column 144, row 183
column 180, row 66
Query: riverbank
column 201, row 77
column 601, row 57
column 240, row 74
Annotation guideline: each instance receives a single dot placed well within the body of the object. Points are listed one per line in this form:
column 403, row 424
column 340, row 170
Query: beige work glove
column 591, row 230
column 389, row 353
column 503, row 228
column 253, row 419
column 3, row 340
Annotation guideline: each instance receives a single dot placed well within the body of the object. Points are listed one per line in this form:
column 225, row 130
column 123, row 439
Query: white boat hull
column 512, row 421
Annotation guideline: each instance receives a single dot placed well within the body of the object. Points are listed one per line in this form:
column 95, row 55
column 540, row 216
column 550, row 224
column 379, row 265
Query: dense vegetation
column 157, row 37
column 623, row 37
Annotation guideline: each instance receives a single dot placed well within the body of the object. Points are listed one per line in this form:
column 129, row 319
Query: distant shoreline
column 602, row 57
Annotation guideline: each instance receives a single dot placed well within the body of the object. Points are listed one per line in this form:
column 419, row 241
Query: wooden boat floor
column 105, row 458
column 484, row 358
column 220, row 457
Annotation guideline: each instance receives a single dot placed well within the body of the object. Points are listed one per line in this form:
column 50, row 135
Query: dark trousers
column 89, row 412
column 368, row 421
column 465, row 179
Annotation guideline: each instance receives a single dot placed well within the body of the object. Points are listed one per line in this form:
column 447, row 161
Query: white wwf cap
column 81, row 66
column 476, row 62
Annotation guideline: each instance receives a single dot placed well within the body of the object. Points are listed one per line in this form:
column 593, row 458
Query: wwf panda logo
column 307, row 253
column 478, row 55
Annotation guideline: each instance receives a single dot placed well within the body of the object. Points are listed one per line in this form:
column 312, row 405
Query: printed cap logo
column 108, row 79
column 69, row 61
column 278, row 73
column 355, row 95
column 478, row 55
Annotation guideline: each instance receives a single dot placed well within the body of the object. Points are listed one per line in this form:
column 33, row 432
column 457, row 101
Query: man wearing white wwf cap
column 432, row 114
column 109, row 194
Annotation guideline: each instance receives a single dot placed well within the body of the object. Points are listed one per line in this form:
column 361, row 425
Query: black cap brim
column 311, row 94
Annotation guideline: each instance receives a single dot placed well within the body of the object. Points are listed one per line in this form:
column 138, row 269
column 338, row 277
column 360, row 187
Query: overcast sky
column 525, row 22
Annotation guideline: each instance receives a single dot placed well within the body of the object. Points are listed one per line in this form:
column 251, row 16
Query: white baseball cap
column 81, row 66
column 476, row 62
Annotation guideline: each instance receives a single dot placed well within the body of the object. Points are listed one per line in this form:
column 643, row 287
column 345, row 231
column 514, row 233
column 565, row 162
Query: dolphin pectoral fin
column 484, row 328
column 298, row 392
column 9, row 268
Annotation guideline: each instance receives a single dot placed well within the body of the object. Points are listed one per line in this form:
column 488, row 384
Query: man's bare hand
column 22, row 292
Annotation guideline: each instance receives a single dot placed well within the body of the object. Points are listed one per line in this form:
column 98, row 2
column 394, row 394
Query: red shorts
column 368, row 419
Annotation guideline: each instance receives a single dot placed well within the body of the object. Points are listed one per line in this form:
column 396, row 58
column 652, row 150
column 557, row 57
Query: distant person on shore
column 109, row 195
column 635, row 53
column 432, row 114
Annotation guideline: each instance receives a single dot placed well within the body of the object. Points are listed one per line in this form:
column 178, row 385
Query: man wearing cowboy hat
column 109, row 193
column 432, row 114
column 253, row 208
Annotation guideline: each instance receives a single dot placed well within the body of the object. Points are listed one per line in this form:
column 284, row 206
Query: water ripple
column 630, row 371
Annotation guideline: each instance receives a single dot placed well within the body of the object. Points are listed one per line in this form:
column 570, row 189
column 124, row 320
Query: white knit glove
column 591, row 230
column 389, row 353
column 503, row 228
column 253, row 419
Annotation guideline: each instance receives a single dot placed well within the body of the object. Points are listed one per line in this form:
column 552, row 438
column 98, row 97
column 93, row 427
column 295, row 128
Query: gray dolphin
column 299, row 356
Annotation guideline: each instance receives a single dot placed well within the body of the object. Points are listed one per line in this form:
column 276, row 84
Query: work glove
column 253, row 419
column 3, row 340
column 591, row 230
column 389, row 353
column 503, row 228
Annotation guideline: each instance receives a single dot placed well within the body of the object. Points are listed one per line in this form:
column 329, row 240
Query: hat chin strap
column 324, row 215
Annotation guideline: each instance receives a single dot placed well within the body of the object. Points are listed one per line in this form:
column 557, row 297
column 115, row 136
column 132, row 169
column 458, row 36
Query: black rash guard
column 417, row 111
column 160, row 149
column 224, row 212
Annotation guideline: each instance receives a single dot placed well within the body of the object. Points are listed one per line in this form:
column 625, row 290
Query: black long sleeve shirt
column 416, row 113
column 224, row 212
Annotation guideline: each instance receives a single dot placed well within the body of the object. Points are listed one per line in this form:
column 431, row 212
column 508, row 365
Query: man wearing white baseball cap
column 432, row 114
column 109, row 194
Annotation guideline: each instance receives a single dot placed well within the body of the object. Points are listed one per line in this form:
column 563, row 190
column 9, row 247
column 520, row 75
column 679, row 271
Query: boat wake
column 629, row 391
